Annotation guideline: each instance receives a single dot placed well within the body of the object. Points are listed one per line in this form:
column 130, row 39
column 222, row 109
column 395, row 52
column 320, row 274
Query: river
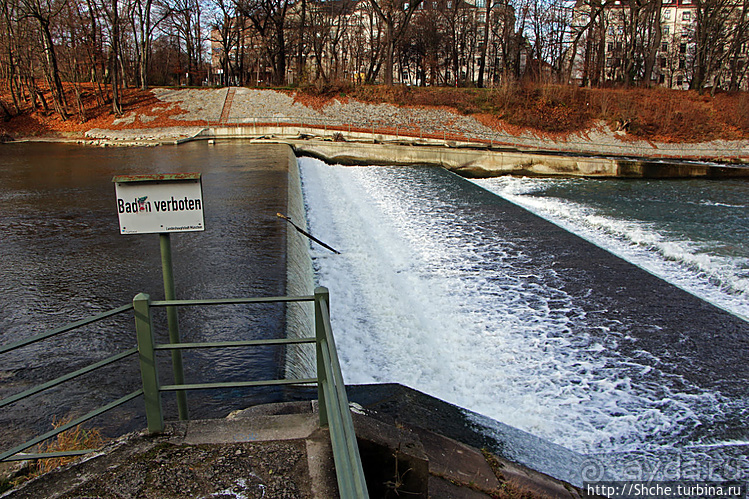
column 443, row 284
column 62, row 259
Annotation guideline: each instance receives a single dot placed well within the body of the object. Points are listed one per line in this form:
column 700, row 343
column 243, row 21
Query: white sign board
column 148, row 204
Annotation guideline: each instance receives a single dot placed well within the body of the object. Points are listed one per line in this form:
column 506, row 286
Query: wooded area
column 117, row 44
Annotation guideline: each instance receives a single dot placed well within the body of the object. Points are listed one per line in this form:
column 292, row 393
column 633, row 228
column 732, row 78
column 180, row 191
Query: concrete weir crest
column 300, row 359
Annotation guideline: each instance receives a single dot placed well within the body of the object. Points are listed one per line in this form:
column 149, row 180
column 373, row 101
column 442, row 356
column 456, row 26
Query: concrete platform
column 278, row 450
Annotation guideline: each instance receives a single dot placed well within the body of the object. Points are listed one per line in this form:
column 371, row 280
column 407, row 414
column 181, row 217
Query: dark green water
column 62, row 258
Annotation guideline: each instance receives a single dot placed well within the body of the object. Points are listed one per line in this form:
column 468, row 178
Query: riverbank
column 170, row 115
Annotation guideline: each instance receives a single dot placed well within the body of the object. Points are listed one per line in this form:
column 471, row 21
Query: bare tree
column 43, row 11
column 395, row 15
column 226, row 32
column 711, row 35
column 269, row 19
column 737, row 67
column 143, row 27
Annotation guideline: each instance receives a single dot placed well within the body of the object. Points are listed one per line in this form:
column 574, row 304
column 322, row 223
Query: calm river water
column 62, row 258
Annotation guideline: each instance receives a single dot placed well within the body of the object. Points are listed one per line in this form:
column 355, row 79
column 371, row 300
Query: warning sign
column 148, row 204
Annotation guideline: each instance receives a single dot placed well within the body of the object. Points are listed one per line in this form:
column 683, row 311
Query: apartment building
column 622, row 44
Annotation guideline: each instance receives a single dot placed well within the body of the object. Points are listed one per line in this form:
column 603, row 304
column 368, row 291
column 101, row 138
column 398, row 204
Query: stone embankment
column 252, row 107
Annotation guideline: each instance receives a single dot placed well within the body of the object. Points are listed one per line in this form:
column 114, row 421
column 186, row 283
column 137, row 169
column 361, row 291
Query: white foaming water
column 422, row 297
column 719, row 279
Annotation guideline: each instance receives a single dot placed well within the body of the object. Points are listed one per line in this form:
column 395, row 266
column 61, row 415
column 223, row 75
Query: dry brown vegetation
column 76, row 438
column 556, row 110
column 654, row 114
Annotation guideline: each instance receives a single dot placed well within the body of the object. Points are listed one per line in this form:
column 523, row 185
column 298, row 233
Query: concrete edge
column 300, row 359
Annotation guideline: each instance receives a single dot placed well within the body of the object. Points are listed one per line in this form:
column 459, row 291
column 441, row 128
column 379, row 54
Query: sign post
column 162, row 204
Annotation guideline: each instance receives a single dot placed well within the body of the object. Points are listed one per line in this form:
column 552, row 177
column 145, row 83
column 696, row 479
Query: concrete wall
column 470, row 160
column 300, row 359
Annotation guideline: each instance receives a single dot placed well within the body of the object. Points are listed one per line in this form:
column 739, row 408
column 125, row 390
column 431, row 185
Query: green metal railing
column 14, row 453
column 334, row 410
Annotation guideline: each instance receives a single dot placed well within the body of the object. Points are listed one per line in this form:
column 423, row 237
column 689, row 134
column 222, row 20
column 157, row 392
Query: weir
column 470, row 159
column 538, row 327
column 605, row 271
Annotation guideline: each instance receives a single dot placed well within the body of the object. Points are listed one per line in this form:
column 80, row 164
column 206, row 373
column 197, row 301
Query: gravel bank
column 249, row 105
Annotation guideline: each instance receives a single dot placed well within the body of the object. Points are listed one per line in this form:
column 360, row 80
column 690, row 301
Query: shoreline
column 468, row 159
column 179, row 115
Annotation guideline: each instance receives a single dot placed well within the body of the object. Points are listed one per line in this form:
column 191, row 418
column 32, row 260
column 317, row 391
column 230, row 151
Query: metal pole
column 172, row 321
column 321, row 297
column 148, row 369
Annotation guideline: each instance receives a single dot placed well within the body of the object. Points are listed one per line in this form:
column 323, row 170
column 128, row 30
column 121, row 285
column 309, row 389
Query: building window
column 683, row 48
column 663, row 62
column 666, row 30
column 679, row 80
column 667, row 14
column 611, row 46
column 662, row 79
column 686, row 16
column 682, row 64
column 664, row 47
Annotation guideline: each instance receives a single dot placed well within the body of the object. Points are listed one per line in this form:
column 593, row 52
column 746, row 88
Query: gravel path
column 268, row 105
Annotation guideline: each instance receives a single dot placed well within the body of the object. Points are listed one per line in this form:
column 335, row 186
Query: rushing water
column 447, row 288
column 693, row 233
column 62, row 258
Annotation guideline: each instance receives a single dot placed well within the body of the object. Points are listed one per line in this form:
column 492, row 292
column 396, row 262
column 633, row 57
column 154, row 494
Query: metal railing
column 334, row 412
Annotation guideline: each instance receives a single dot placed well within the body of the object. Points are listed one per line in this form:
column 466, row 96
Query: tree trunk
column 115, row 64
column 650, row 57
column 389, row 54
column 300, row 51
column 52, row 71
column 482, row 55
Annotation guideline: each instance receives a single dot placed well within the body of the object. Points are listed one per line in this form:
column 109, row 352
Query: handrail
column 230, row 301
column 351, row 482
column 333, row 404
column 230, row 344
column 64, row 329
column 67, row 377
column 7, row 455
column 14, row 453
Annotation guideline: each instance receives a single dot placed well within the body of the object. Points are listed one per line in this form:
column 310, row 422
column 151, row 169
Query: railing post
column 321, row 300
column 148, row 369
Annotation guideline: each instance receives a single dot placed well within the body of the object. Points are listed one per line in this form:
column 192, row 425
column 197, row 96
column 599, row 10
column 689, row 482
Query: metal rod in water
column 279, row 215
